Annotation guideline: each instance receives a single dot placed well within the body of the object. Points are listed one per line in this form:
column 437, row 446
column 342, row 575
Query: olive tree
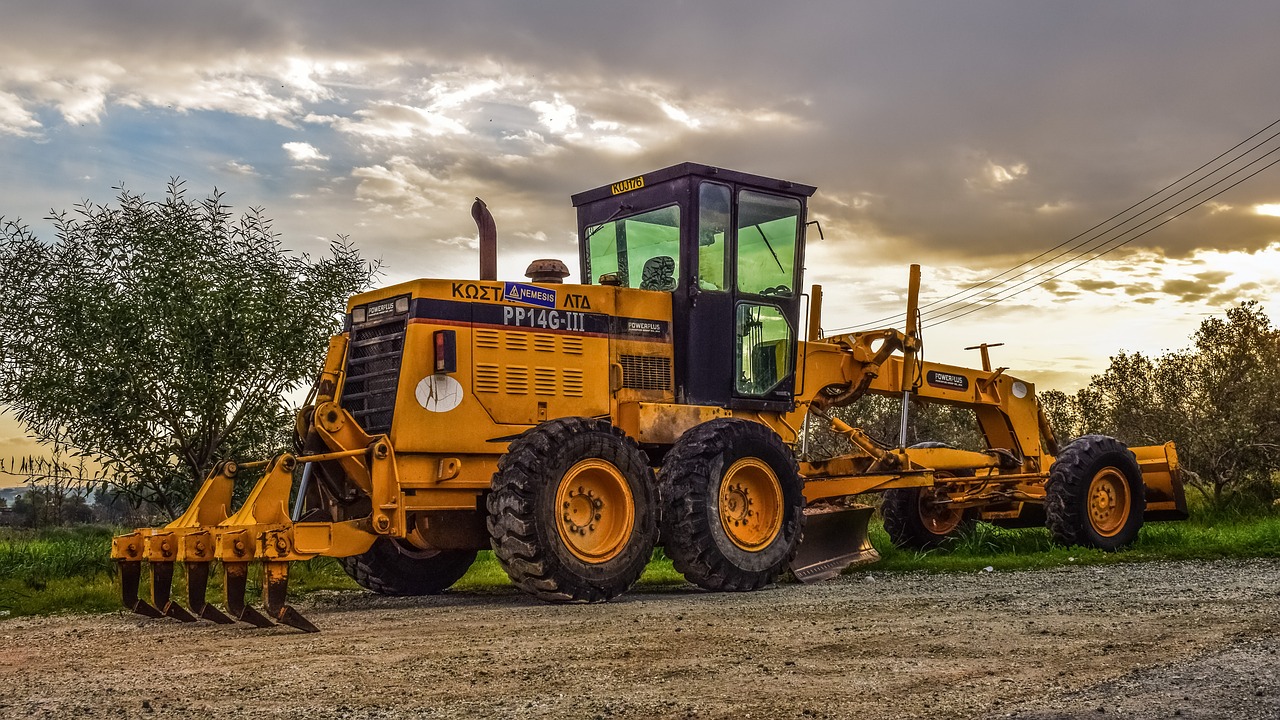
column 881, row 418
column 1216, row 399
column 156, row 337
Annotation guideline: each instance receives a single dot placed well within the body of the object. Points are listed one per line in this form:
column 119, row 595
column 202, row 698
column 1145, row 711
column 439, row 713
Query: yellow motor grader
column 571, row 428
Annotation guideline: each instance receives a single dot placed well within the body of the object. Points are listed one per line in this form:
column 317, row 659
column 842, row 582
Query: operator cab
column 729, row 247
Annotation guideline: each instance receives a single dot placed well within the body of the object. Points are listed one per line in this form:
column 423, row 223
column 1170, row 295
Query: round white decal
column 439, row 393
column 1019, row 389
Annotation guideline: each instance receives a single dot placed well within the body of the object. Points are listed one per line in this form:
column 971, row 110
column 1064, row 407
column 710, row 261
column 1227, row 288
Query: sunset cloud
column 968, row 138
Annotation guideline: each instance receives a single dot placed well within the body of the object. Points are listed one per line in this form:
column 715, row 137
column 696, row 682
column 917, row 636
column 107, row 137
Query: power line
column 1154, row 213
column 978, row 306
column 959, row 296
column 1105, row 242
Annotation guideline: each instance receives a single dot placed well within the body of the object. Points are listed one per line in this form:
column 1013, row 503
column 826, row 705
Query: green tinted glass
column 763, row 358
column 767, row 226
column 642, row 250
column 713, row 231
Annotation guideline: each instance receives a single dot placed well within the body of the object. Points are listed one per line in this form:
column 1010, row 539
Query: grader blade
column 130, row 579
column 237, row 582
column 835, row 538
column 161, row 588
column 275, row 591
column 197, row 586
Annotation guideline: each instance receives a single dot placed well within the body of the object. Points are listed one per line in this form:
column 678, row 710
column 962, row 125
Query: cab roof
column 709, row 172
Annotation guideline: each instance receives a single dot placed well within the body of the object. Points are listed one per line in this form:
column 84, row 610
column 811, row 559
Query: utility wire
column 1155, row 212
column 960, row 295
column 979, row 306
column 1105, row 242
column 980, row 287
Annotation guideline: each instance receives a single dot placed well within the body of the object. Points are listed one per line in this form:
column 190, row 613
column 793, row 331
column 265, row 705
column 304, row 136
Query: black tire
column 697, row 539
column 1084, row 497
column 913, row 523
column 392, row 567
column 530, row 520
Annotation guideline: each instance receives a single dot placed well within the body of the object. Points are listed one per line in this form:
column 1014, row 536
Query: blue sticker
column 529, row 294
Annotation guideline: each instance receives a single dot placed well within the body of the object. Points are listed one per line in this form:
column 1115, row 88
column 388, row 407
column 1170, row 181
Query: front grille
column 373, row 373
column 646, row 372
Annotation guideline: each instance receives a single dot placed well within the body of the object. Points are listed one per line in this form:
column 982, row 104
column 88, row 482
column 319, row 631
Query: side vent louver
column 487, row 339
column 517, row 380
column 488, row 378
column 544, row 381
column 574, row 382
column 646, row 372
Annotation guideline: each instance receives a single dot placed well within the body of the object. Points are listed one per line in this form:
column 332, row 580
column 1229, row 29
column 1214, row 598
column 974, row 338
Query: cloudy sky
column 965, row 136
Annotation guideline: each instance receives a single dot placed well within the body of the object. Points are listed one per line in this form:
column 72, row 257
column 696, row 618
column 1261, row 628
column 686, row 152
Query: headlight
column 380, row 310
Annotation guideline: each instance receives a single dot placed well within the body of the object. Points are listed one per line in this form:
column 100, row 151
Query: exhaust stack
column 488, row 240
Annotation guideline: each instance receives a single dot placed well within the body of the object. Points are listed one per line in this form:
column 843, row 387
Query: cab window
column 767, row 229
column 713, row 233
column 763, row 356
column 643, row 250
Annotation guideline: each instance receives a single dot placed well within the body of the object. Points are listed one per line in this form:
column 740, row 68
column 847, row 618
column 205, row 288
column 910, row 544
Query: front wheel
column 920, row 518
column 1095, row 496
column 572, row 514
column 394, row 567
column 733, row 505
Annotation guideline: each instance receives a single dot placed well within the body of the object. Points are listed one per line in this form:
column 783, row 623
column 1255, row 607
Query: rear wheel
column 393, row 567
column 1095, row 496
column 919, row 518
column 572, row 514
column 732, row 505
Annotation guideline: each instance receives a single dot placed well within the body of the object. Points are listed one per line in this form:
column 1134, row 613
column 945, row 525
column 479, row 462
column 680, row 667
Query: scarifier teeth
column 288, row 616
column 161, row 587
column 237, row 581
column 130, row 578
column 197, row 585
column 275, row 595
column 213, row 614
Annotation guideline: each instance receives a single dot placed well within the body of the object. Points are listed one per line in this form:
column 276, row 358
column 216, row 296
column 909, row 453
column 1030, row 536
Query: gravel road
column 1131, row 640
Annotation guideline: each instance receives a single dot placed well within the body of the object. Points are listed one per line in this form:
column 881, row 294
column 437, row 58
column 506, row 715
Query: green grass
column 56, row 570
column 485, row 575
column 68, row 570
column 1206, row 536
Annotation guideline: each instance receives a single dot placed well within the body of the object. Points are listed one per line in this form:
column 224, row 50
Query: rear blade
column 197, row 586
column 275, row 595
column 161, row 587
column 835, row 538
column 130, row 578
column 237, row 582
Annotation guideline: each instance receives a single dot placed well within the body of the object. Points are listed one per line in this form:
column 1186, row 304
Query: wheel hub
column 1108, row 502
column 595, row 510
column 582, row 510
column 750, row 501
column 939, row 517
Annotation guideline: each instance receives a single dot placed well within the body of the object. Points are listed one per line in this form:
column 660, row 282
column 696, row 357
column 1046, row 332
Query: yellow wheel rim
column 595, row 510
column 1108, row 502
column 750, row 504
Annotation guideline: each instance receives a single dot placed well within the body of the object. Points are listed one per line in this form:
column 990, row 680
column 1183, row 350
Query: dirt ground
column 1197, row 639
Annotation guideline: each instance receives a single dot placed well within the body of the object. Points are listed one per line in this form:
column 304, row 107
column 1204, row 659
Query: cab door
column 743, row 307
